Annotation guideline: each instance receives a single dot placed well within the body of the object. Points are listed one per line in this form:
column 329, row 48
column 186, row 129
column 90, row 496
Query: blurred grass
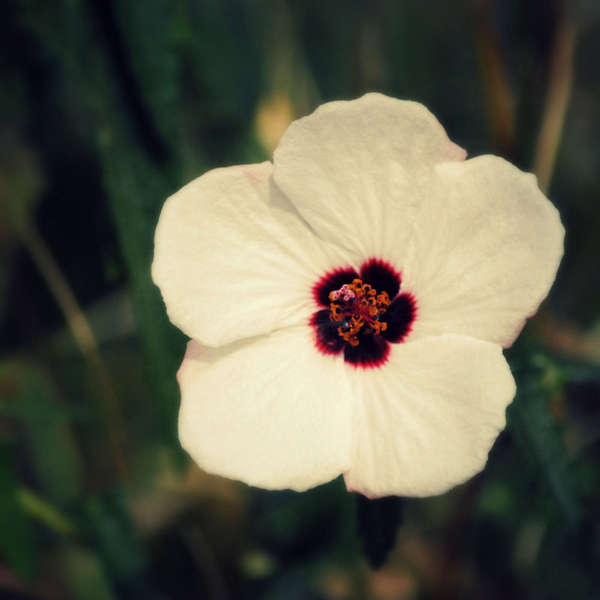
column 108, row 107
column 16, row 542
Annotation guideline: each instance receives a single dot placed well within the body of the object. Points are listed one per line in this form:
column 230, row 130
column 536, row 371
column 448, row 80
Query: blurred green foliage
column 107, row 107
column 16, row 542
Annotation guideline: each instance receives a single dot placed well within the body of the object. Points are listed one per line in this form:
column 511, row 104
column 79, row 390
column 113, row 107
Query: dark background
column 107, row 107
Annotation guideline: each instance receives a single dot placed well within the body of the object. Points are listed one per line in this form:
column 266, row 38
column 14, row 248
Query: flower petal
column 382, row 276
column 234, row 259
column 484, row 254
column 272, row 412
column 358, row 171
column 327, row 338
column 329, row 282
column 399, row 317
column 428, row 418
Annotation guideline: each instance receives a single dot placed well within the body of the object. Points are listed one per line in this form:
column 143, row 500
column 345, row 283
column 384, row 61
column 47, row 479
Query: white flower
column 289, row 380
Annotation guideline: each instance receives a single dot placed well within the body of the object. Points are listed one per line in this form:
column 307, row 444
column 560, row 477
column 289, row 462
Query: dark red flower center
column 358, row 307
column 362, row 313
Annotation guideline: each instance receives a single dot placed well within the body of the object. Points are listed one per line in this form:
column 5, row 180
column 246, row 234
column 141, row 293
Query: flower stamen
column 358, row 308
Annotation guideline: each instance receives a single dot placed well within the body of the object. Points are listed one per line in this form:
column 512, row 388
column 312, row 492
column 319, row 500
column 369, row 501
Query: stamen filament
column 358, row 307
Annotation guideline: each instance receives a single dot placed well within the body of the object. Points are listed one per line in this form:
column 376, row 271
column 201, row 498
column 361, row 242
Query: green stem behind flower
column 77, row 322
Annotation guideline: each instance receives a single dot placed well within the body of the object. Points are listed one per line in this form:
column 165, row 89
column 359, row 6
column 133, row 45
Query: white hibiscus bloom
column 348, row 304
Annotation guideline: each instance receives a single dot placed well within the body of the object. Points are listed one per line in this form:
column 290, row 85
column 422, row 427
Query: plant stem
column 557, row 100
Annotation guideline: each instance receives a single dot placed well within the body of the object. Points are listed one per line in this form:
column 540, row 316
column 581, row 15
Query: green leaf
column 113, row 76
column 17, row 543
column 137, row 191
column 51, row 443
column 37, row 508
column 82, row 572
column 150, row 44
column 540, row 439
column 108, row 524
column 34, row 410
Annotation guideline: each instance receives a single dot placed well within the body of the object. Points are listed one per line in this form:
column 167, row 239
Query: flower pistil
column 357, row 306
